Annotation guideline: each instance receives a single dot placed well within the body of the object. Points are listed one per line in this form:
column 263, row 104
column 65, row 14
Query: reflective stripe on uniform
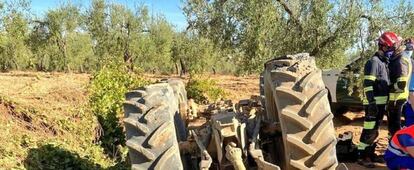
column 362, row 146
column 395, row 150
column 369, row 88
column 410, row 69
column 370, row 77
column 378, row 100
column 365, row 101
column 407, row 61
column 399, row 96
column 369, row 124
column 381, row 99
column 403, row 95
column 404, row 78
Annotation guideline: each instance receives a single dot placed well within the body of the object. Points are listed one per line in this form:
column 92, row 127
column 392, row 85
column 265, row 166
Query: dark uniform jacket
column 376, row 80
column 400, row 71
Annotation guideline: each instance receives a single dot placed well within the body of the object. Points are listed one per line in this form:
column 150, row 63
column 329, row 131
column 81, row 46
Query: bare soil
column 34, row 109
column 237, row 88
column 60, row 92
column 45, row 90
column 243, row 87
column 54, row 94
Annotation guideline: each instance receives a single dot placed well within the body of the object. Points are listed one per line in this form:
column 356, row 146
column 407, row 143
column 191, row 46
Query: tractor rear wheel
column 150, row 127
column 296, row 100
column 180, row 116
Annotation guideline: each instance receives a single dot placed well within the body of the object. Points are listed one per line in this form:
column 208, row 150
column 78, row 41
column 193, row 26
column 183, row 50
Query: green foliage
column 194, row 54
column 204, row 90
column 54, row 157
column 72, row 40
column 107, row 91
column 233, row 36
column 26, row 143
column 267, row 29
column 95, row 24
column 155, row 47
column 57, row 45
column 14, row 53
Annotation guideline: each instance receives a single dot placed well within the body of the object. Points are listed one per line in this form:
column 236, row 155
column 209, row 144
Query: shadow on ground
column 354, row 122
column 50, row 157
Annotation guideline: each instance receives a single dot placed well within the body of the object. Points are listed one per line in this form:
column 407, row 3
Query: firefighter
column 400, row 68
column 376, row 90
column 408, row 110
column 400, row 152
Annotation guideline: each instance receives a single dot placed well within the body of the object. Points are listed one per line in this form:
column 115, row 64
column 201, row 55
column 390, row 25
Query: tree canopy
column 225, row 36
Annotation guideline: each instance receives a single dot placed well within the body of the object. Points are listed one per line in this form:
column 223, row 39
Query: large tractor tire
column 262, row 89
column 180, row 117
column 180, row 94
column 150, row 127
column 296, row 100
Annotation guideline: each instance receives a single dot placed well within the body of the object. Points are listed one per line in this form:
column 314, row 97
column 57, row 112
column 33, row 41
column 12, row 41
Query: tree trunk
column 183, row 68
column 68, row 69
column 128, row 60
column 61, row 43
column 177, row 70
column 127, row 55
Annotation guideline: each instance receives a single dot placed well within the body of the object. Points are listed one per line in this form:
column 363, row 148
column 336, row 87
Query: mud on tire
column 180, row 117
column 150, row 127
column 180, row 94
column 296, row 98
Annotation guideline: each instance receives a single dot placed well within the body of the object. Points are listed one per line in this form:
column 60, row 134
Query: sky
column 169, row 8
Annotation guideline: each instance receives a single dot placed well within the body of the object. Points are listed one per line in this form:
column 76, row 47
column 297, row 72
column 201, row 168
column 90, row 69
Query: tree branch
column 329, row 39
column 369, row 18
column 339, row 30
column 40, row 22
column 293, row 17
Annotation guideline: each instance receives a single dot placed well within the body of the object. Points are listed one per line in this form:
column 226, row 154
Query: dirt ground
column 353, row 122
column 237, row 88
column 37, row 109
column 46, row 90
column 244, row 87
column 51, row 95
column 51, row 91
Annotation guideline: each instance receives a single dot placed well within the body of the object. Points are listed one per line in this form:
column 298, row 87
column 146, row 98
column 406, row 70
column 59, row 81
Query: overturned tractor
column 288, row 127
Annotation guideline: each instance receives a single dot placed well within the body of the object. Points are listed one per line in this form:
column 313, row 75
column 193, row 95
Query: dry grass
column 44, row 108
column 237, row 88
column 36, row 96
column 55, row 91
column 58, row 96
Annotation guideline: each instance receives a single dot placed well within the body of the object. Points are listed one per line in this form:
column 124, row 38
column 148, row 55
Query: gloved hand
column 372, row 109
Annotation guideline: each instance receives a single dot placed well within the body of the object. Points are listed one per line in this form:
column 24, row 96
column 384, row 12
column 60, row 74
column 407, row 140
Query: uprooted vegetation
column 107, row 91
column 57, row 120
column 204, row 90
column 44, row 116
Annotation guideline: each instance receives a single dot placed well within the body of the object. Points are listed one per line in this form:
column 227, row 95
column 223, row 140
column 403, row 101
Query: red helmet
column 389, row 39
